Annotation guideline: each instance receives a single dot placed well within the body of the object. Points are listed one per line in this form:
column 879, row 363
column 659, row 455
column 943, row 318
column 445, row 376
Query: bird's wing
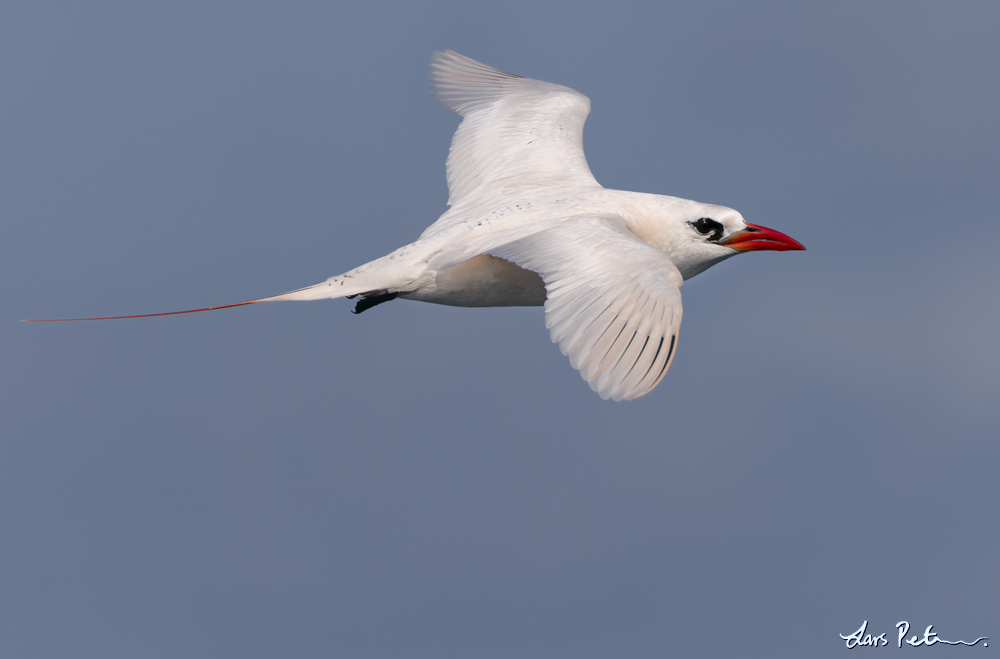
column 614, row 302
column 516, row 134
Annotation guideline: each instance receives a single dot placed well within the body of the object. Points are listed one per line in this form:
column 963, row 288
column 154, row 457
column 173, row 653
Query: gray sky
column 423, row 481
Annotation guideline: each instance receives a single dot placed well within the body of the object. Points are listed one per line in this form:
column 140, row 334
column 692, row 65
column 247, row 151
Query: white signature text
column 862, row 638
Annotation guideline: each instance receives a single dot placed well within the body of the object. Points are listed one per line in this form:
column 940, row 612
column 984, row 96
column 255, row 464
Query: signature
column 930, row 637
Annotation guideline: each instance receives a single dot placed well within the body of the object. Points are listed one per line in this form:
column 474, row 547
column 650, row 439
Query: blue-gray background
column 423, row 481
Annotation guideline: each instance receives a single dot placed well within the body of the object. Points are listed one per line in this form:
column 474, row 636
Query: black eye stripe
column 706, row 226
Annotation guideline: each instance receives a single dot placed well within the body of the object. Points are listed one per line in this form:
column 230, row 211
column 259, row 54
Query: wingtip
column 463, row 84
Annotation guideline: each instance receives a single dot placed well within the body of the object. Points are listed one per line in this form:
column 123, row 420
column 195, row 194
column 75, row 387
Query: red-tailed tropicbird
column 528, row 225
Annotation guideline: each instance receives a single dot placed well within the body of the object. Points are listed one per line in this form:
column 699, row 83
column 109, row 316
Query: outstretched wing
column 517, row 133
column 614, row 302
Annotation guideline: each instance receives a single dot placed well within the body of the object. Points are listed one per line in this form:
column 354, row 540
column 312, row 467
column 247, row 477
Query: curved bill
column 755, row 237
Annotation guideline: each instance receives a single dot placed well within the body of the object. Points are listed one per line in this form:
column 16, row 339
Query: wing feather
column 613, row 305
column 516, row 132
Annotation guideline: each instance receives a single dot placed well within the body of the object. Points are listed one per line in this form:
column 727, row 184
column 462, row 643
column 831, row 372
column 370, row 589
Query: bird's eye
column 706, row 226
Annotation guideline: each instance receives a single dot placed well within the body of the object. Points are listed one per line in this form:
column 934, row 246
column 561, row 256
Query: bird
column 529, row 225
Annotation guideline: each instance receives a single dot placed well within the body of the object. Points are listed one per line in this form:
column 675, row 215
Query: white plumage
column 516, row 134
column 529, row 225
column 614, row 303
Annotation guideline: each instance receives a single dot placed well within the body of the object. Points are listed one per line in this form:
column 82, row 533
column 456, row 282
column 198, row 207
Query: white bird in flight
column 528, row 225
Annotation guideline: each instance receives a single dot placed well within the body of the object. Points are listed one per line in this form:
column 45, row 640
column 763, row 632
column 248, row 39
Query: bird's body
column 453, row 265
column 528, row 225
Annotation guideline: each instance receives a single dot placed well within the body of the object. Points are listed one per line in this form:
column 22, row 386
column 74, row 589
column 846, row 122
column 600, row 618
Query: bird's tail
column 378, row 281
column 331, row 288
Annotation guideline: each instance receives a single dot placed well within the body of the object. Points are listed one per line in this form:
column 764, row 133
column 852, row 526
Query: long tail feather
column 145, row 315
column 315, row 292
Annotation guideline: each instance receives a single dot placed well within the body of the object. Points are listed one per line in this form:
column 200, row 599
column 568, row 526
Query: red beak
column 755, row 237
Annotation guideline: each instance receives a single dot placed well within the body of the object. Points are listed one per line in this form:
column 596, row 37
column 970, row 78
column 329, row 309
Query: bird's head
column 696, row 236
